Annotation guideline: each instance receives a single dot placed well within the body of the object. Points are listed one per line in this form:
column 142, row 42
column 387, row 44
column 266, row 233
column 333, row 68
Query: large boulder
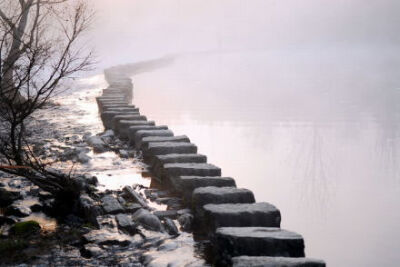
column 125, row 223
column 246, row 261
column 147, row 220
column 240, row 215
column 257, row 241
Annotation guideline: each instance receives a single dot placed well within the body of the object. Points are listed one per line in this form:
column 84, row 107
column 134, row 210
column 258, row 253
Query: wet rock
column 7, row 197
column 186, row 221
column 220, row 195
column 257, row 241
column 246, row 261
column 125, row 223
column 240, row 215
column 106, row 237
column 132, row 195
column 97, row 143
column 111, row 205
column 170, row 227
column 83, row 157
column 18, row 210
column 172, row 214
column 147, row 220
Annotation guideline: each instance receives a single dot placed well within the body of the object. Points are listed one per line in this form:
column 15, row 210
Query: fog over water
column 297, row 100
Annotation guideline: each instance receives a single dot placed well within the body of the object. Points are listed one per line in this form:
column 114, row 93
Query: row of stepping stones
column 243, row 232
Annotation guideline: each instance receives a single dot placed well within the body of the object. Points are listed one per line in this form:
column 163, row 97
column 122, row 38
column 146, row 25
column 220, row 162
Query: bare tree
column 39, row 49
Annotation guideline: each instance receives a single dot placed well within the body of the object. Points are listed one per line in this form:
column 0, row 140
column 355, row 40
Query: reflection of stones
column 147, row 220
column 246, row 261
column 111, row 205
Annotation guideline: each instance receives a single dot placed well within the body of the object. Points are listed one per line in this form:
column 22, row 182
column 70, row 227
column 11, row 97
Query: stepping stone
column 185, row 185
column 124, row 125
column 107, row 117
column 102, row 104
column 164, row 148
column 189, row 169
column 240, row 215
column 159, row 160
column 263, row 261
column 130, row 130
column 220, row 195
column 117, row 120
column 139, row 135
column 257, row 241
column 144, row 143
column 133, row 109
column 109, row 107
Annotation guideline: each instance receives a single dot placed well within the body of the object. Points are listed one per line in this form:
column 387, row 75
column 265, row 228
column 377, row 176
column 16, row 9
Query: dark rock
column 132, row 207
column 36, row 207
column 89, row 209
column 7, row 220
column 111, row 205
column 144, row 143
column 190, row 169
column 83, row 157
column 172, row 214
column 93, row 250
column 97, row 143
column 139, row 135
column 246, row 261
column 186, row 221
column 8, row 197
column 18, row 210
column 257, row 241
column 170, row 227
column 43, row 195
column 125, row 223
column 147, row 220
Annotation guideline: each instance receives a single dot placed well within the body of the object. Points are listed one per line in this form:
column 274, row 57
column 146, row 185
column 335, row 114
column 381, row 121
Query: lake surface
column 296, row 100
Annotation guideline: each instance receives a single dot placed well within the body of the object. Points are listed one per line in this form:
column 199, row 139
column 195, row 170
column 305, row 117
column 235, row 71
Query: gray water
column 297, row 100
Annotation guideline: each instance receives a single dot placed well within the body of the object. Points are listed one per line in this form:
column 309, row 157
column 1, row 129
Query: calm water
column 297, row 100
